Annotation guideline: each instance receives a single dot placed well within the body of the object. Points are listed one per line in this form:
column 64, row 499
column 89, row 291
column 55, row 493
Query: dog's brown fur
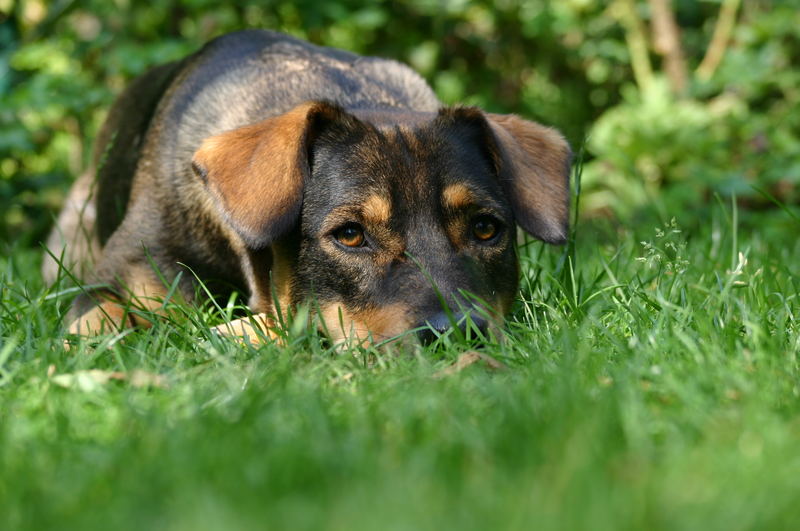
column 246, row 161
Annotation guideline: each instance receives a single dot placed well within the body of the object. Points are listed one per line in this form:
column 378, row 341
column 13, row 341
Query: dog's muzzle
column 433, row 327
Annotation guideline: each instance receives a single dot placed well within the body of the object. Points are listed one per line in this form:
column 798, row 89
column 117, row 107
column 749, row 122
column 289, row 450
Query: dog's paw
column 254, row 329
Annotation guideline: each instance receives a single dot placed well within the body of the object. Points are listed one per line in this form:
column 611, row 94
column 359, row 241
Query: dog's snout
column 431, row 328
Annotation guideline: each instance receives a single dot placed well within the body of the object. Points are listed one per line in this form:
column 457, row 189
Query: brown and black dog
column 292, row 173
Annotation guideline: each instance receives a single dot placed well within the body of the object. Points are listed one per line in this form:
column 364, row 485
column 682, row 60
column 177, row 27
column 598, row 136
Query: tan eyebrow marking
column 457, row 196
column 376, row 209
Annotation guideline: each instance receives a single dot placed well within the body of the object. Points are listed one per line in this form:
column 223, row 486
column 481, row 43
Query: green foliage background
column 566, row 63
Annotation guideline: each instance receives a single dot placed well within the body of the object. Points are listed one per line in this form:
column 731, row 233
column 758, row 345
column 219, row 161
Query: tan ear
column 256, row 173
column 534, row 168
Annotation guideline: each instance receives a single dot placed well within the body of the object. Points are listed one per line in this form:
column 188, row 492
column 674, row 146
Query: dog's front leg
column 109, row 316
column 102, row 311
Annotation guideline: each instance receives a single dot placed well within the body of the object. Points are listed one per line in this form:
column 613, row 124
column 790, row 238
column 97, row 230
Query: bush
column 569, row 64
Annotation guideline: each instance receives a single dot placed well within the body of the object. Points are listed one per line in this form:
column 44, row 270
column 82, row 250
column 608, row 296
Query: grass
column 652, row 383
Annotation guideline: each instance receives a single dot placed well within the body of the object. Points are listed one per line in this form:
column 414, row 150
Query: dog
column 292, row 173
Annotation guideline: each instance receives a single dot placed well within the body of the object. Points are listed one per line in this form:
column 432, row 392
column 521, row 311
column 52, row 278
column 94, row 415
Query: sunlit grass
column 652, row 381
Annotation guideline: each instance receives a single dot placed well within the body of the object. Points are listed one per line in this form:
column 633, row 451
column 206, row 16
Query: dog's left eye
column 350, row 235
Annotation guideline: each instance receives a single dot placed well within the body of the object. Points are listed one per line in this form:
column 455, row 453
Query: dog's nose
column 434, row 326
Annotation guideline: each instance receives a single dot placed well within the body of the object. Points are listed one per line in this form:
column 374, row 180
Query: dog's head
column 391, row 221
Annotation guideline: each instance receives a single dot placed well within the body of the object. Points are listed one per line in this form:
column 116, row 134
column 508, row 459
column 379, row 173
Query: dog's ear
column 534, row 163
column 256, row 173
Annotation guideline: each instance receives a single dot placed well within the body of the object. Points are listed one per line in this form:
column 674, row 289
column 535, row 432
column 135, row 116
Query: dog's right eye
column 350, row 235
column 485, row 228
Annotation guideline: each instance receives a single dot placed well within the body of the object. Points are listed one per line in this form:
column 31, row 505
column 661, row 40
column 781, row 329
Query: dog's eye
column 350, row 235
column 485, row 227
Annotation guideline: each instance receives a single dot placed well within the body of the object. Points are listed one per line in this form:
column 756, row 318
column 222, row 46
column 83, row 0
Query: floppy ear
column 256, row 173
column 534, row 163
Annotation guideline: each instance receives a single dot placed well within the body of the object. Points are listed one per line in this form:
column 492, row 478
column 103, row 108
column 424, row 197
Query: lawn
column 651, row 381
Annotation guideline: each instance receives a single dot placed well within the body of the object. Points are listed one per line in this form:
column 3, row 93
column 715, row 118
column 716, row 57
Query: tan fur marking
column 105, row 318
column 336, row 322
column 255, row 265
column 253, row 329
column 384, row 322
column 378, row 323
column 144, row 291
column 376, row 209
column 147, row 292
column 410, row 138
column 283, row 274
column 457, row 196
